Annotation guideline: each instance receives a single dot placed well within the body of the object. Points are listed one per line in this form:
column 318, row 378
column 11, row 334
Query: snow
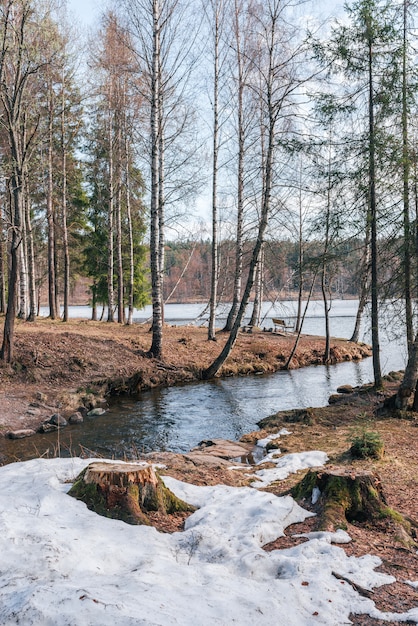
column 263, row 442
column 412, row 583
column 63, row 565
column 285, row 465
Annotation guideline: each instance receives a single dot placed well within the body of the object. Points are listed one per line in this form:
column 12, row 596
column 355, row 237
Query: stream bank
column 59, row 367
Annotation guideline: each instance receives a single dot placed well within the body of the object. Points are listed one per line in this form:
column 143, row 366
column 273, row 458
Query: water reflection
column 178, row 418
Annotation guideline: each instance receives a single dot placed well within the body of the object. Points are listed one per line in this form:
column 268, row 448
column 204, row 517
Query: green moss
column 303, row 489
column 343, row 498
column 387, row 511
column 294, row 416
column 129, row 504
column 89, row 494
column 170, row 503
column 339, row 500
column 333, row 517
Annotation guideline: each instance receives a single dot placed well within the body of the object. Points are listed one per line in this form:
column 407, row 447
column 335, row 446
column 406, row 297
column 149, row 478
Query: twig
column 361, row 590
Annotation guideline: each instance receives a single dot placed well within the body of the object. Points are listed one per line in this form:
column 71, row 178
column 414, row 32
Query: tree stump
column 126, row 492
column 341, row 496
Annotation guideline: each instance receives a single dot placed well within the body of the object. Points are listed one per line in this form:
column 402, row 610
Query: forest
column 245, row 149
column 187, row 271
column 230, row 153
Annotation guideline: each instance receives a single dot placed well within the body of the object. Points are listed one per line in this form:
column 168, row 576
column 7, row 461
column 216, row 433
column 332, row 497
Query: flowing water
column 177, row 418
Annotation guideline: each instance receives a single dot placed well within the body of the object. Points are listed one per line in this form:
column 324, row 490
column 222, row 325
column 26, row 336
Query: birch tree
column 275, row 80
column 215, row 15
column 163, row 36
column 242, row 44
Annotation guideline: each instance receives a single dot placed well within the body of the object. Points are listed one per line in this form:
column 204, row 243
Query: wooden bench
column 280, row 325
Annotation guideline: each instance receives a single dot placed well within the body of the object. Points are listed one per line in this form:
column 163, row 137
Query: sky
column 88, row 11
column 63, row 565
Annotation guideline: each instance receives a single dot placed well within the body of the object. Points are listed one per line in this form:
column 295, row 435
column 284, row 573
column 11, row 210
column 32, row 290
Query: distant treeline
column 187, row 275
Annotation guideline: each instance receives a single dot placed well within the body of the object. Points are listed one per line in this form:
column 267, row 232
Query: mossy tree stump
column 341, row 496
column 125, row 491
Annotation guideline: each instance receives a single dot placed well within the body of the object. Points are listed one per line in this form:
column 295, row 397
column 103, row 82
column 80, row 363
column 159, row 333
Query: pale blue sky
column 88, row 11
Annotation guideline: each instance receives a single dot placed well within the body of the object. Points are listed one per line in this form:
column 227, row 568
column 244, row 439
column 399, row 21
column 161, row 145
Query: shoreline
column 66, row 366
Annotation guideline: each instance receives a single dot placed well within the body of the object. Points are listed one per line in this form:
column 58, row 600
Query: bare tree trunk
column 409, row 382
column 415, row 196
column 364, row 283
column 373, row 226
column 130, row 234
column 7, row 350
column 406, row 176
column 258, row 295
column 161, row 198
column 57, row 268
column 94, row 302
column 326, row 314
column 50, row 220
column 23, row 278
column 64, row 211
column 31, row 263
column 121, row 307
column 239, row 251
column 23, row 268
column 300, row 257
column 110, row 221
column 215, row 148
column 156, row 349
column 3, row 265
column 325, row 260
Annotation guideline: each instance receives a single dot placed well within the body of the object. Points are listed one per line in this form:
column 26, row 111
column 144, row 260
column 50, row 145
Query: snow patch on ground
column 412, row 583
column 63, row 565
column 263, row 442
column 286, row 465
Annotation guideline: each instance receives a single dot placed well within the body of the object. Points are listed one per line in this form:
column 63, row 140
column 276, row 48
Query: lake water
column 177, row 418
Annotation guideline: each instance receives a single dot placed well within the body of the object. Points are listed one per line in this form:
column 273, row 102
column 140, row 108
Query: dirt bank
column 57, row 365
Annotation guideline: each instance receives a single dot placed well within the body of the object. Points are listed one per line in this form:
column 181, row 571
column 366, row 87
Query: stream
column 178, row 418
